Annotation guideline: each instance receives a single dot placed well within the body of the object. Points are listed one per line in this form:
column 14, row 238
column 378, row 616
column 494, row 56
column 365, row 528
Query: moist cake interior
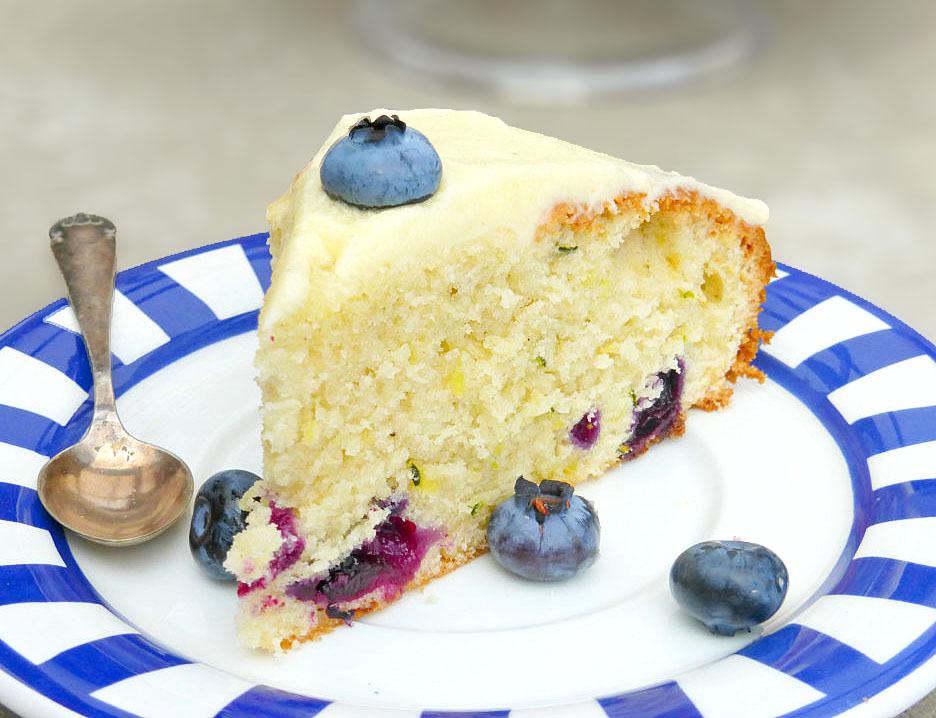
column 476, row 364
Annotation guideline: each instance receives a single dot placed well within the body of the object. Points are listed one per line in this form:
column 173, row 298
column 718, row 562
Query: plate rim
column 921, row 674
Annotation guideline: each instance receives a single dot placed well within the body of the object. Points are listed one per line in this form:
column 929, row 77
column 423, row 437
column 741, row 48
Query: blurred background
column 181, row 120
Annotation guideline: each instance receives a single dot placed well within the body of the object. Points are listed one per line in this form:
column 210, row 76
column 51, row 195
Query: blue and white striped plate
column 832, row 463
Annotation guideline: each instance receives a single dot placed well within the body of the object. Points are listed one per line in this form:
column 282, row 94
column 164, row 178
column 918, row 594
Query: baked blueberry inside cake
column 546, row 312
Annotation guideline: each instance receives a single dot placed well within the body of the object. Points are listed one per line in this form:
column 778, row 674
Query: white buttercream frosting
column 497, row 180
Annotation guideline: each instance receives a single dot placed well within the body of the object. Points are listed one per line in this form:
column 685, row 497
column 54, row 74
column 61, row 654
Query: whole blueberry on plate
column 729, row 586
column 216, row 518
column 381, row 163
column 544, row 532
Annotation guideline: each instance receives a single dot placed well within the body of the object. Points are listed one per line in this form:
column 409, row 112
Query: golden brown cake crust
column 759, row 266
column 449, row 562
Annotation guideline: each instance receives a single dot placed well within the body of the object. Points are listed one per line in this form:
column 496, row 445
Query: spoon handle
column 85, row 248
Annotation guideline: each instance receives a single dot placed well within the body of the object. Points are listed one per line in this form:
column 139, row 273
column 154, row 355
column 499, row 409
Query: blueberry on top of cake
column 547, row 312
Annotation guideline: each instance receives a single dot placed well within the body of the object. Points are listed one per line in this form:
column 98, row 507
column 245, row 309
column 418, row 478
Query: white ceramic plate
column 831, row 463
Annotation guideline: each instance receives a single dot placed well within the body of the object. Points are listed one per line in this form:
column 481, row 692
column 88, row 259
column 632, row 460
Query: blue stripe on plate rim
column 844, row 675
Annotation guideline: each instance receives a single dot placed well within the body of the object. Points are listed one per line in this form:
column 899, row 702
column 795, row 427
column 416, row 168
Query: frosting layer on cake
column 496, row 180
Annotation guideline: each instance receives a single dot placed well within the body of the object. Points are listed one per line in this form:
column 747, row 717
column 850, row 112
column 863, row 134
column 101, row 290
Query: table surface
column 181, row 121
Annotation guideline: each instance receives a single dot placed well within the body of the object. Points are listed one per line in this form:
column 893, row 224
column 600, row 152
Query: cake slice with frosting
column 546, row 312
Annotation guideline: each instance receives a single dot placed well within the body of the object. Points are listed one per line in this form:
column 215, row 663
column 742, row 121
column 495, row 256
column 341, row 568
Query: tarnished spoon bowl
column 109, row 487
column 112, row 488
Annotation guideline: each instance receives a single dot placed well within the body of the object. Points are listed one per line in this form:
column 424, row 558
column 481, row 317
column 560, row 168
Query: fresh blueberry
column 729, row 585
column 382, row 163
column 216, row 518
column 544, row 532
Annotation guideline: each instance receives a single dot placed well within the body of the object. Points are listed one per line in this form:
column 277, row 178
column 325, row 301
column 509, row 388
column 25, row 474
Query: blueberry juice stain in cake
column 286, row 555
column 385, row 564
column 655, row 418
column 585, row 432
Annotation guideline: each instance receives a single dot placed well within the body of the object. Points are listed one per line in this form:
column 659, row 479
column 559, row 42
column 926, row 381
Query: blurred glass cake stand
column 563, row 51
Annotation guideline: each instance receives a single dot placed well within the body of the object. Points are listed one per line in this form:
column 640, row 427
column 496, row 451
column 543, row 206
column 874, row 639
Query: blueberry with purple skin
column 216, row 518
column 381, row 163
column 729, row 586
column 544, row 533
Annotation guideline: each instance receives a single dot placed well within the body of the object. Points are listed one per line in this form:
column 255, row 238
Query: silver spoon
column 109, row 487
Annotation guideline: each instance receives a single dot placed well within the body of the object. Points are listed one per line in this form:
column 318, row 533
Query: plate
column 831, row 462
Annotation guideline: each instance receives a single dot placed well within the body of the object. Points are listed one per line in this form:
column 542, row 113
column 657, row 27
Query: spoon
column 109, row 487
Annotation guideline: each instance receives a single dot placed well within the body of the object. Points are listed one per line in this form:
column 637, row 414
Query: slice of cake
column 548, row 312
